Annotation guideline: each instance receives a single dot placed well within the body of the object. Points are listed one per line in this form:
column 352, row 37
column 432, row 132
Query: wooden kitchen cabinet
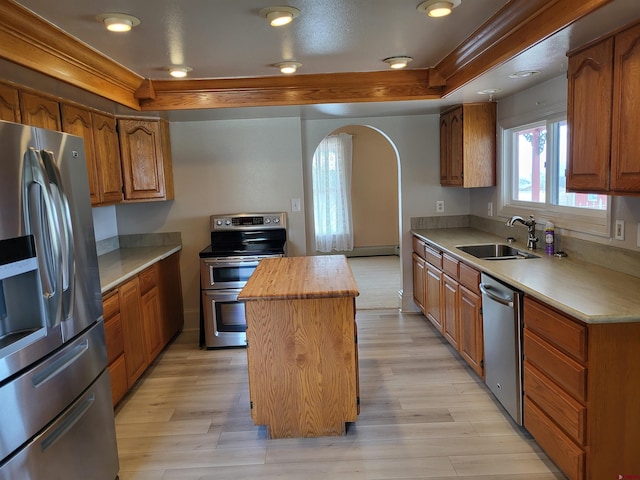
column 141, row 316
column 146, row 159
column 9, row 103
column 132, row 329
column 115, row 346
column 603, row 109
column 468, row 145
column 40, row 111
column 170, row 293
column 581, row 388
column 301, row 347
column 452, row 300
column 151, row 316
column 105, row 137
column 471, row 345
column 419, row 281
column 433, row 295
column 78, row 121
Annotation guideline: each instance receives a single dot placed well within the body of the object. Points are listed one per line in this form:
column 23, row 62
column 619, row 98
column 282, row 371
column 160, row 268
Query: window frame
column 589, row 221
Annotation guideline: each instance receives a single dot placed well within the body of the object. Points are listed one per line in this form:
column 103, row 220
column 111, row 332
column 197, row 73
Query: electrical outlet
column 490, row 209
column 440, row 206
column 619, row 234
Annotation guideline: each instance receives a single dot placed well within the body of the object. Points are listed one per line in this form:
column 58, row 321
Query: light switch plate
column 619, row 233
column 295, row 204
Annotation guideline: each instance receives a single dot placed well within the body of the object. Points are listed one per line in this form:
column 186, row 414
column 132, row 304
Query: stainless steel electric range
column 238, row 243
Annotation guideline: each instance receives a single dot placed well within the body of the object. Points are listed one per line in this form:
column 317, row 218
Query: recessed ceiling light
column 179, row 72
column 398, row 62
column 489, row 91
column 523, row 73
column 279, row 16
column 118, row 22
column 436, row 8
column 288, row 67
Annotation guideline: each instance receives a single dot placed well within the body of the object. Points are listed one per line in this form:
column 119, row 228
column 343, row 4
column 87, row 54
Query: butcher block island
column 302, row 351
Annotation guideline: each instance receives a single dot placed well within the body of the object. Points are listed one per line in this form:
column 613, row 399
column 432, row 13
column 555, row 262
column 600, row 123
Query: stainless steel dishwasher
column 502, row 327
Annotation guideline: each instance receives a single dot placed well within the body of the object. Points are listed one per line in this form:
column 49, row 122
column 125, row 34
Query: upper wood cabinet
column 40, row 111
column 77, row 121
column 468, row 145
column 101, row 149
column 146, row 159
column 105, row 138
column 603, row 111
column 9, row 103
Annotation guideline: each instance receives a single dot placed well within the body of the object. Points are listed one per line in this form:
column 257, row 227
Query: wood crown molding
column 30, row 41
column 516, row 27
column 291, row 90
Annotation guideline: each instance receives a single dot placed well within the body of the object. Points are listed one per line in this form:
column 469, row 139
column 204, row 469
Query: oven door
column 224, row 320
column 226, row 273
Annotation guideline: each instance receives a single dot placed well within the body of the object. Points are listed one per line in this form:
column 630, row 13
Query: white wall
column 223, row 167
column 227, row 166
column 540, row 99
column 105, row 222
column 416, row 139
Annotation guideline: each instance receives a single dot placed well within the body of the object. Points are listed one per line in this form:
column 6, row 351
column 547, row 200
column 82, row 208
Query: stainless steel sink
column 496, row 251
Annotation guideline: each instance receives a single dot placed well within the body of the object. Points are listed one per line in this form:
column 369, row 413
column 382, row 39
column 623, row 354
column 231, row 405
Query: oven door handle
column 218, row 264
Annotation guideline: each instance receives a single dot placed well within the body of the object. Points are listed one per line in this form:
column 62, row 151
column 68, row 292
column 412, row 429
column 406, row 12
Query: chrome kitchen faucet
column 531, row 228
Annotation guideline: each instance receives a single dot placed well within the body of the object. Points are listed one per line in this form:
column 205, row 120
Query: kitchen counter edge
column 588, row 292
column 118, row 266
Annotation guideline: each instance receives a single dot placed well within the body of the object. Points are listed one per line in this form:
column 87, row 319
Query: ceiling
column 230, row 39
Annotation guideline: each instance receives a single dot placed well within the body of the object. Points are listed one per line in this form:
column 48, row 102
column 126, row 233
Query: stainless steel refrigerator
column 56, row 417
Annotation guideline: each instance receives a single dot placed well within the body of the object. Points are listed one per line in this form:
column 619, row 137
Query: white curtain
column 332, row 194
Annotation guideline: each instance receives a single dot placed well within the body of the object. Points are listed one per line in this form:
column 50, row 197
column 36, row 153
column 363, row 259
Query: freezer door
column 79, row 444
column 32, row 400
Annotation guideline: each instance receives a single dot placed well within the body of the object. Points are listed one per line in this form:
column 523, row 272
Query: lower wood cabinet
column 115, row 346
column 141, row 316
column 581, row 390
column 451, row 300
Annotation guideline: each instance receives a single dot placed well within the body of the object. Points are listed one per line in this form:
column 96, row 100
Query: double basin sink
column 496, row 251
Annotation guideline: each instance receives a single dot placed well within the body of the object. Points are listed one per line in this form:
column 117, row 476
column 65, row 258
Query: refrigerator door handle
column 67, row 424
column 61, row 201
column 60, row 365
column 40, row 220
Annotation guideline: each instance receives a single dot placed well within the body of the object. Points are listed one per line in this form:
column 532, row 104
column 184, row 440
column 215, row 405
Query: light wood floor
column 424, row 415
column 379, row 281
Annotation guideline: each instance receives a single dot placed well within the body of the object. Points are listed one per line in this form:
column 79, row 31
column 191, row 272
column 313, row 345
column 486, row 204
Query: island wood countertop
column 300, row 278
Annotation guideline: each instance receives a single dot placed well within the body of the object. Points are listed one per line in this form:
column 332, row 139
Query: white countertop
column 585, row 291
column 121, row 264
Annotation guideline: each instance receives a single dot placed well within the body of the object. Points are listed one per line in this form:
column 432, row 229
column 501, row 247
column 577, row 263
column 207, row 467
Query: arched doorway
column 375, row 256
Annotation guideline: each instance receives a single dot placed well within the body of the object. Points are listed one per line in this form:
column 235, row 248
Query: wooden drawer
column 433, row 256
column 113, row 336
column 418, row 246
column 566, row 372
column 118, row 374
column 450, row 265
column 110, row 305
column 562, row 450
column 148, row 278
column 567, row 412
column 567, row 335
column 469, row 277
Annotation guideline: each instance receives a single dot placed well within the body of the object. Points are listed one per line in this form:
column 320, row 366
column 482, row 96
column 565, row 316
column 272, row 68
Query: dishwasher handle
column 487, row 290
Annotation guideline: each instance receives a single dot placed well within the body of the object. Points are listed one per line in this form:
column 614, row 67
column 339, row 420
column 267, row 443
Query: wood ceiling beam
column 519, row 25
column 30, row 41
column 291, row 90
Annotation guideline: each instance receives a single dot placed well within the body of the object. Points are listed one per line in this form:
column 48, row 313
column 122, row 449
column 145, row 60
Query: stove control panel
column 248, row 221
